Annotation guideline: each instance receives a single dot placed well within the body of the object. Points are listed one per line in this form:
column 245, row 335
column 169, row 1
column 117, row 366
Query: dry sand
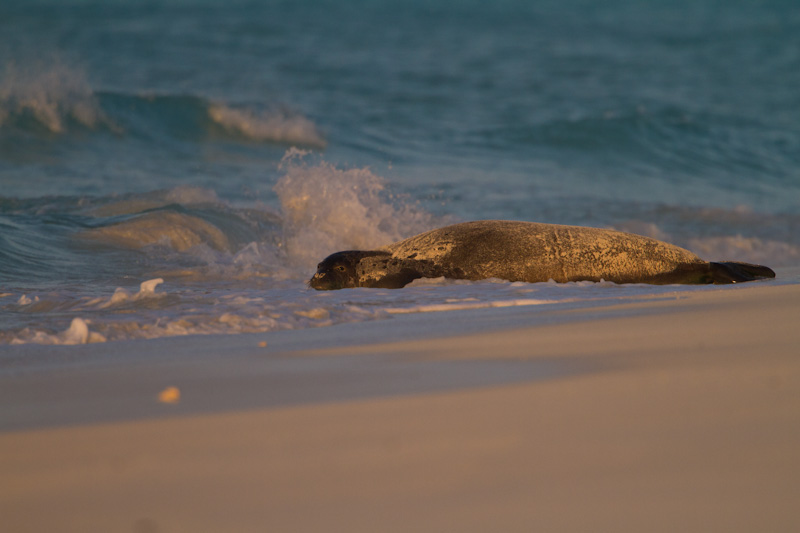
column 679, row 414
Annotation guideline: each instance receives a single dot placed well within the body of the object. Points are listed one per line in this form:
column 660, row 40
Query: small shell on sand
column 170, row 395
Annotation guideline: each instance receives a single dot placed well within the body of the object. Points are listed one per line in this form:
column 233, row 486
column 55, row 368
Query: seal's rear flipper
column 735, row 272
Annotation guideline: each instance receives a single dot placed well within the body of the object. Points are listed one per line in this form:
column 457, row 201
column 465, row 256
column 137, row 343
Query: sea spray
column 326, row 209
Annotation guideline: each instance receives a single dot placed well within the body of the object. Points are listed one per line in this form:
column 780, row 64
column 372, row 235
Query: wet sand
column 673, row 414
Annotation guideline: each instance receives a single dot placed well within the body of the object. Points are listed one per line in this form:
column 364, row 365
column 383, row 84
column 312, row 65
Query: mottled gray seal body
column 526, row 251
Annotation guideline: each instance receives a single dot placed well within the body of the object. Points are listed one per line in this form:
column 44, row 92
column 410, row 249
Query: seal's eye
column 341, row 268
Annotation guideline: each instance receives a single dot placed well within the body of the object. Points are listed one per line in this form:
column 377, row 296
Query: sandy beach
column 676, row 413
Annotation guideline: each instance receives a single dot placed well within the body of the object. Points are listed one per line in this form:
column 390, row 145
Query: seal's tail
column 736, row 272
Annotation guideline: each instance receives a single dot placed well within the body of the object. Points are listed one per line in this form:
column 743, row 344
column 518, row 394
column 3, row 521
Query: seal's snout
column 323, row 281
column 316, row 279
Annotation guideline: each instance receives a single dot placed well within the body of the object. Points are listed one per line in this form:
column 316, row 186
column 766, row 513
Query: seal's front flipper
column 735, row 272
column 396, row 280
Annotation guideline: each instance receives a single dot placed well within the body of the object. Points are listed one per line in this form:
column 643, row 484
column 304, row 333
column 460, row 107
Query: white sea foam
column 77, row 333
column 25, row 300
column 271, row 126
column 245, row 308
column 149, row 313
column 464, row 305
column 147, row 289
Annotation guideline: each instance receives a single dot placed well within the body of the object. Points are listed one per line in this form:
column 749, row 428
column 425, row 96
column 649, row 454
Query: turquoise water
column 226, row 149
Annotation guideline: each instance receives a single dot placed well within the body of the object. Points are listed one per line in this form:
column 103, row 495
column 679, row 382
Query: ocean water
column 179, row 167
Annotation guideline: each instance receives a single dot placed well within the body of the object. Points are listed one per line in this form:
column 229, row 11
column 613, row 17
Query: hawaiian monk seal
column 526, row 251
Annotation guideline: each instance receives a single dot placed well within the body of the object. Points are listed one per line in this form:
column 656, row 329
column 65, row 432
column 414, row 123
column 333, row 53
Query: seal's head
column 341, row 270
column 337, row 271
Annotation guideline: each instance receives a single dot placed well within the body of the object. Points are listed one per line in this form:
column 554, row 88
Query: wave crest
column 50, row 97
column 269, row 126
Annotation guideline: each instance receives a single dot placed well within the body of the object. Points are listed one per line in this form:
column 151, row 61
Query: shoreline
column 660, row 415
